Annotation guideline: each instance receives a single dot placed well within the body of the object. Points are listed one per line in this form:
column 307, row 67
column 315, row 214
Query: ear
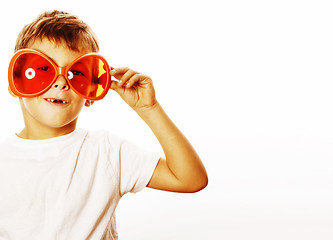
column 11, row 92
column 88, row 103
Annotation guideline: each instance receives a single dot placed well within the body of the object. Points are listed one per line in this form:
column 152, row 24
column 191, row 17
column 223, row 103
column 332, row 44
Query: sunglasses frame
column 58, row 71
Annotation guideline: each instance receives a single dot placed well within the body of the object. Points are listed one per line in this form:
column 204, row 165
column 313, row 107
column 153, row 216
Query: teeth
column 55, row 100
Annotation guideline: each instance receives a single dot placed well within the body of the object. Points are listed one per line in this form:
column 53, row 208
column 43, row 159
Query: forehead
column 58, row 52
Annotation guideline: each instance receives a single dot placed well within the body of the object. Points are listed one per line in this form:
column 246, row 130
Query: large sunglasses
column 32, row 73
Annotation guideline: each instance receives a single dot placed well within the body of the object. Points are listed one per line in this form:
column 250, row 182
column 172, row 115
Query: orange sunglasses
column 32, row 73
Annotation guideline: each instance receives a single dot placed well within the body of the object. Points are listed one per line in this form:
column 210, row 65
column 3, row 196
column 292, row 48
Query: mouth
column 56, row 101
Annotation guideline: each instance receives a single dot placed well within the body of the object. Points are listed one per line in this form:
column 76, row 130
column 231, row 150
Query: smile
column 54, row 100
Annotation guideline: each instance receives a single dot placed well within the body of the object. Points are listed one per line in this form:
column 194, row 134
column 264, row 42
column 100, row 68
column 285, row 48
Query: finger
column 126, row 77
column 119, row 72
column 134, row 79
column 113, row 85
column 122, row 75
column 113, row 70
column 118, row 89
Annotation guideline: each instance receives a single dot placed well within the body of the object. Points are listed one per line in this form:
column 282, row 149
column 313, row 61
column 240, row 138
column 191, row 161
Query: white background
column 248, row 82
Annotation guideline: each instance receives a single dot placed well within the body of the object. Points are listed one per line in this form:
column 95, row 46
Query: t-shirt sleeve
column 136, row 167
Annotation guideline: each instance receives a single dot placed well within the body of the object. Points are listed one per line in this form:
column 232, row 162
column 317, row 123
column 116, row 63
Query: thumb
column 119, row 89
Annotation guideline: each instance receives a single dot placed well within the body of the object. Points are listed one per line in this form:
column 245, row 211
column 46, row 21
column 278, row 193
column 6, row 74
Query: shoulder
column 105, row 142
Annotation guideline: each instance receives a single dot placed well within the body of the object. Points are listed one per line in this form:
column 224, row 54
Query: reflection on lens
column 70, row 75
column 30, row 73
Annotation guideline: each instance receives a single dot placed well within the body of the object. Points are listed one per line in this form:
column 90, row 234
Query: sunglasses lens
column 89, row 76
column 32, row 73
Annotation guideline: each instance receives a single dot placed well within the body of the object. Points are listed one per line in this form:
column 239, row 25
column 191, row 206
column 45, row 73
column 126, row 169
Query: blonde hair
column 58, row 27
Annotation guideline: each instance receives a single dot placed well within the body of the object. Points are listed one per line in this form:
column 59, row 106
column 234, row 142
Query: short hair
column 58, row 27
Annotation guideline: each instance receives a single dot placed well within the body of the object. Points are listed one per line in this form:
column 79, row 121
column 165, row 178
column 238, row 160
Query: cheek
column 42, row 111
column 77, row 107
column 31, row 105
column 78, row 102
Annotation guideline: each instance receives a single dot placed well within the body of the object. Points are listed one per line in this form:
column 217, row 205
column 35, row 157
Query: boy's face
column 60, row 106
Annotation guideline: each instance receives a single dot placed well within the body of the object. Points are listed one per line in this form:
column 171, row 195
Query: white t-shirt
column 68, row 187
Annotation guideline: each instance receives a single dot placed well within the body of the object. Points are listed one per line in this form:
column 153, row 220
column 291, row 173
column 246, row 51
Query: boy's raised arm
column 182, row 169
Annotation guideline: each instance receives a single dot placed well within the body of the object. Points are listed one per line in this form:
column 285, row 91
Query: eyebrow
column 54, row 61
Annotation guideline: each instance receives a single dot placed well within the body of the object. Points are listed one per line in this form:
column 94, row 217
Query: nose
column 60, row 84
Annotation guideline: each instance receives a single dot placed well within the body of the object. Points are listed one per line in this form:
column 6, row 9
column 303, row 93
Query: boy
column 59, row 182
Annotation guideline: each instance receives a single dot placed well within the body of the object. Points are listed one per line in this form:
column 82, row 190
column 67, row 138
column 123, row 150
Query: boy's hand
column 182, row 169
column 134, row 88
